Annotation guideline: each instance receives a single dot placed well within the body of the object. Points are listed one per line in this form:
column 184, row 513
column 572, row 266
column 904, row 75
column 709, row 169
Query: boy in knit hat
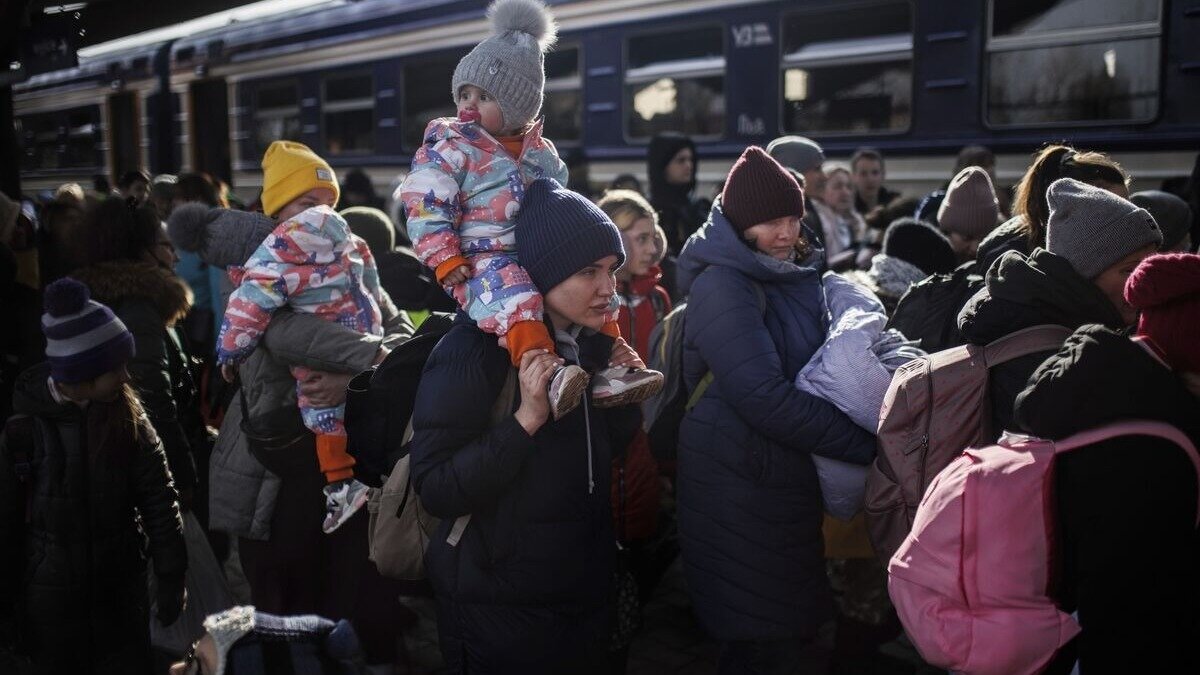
column 969, row 211
column 468, row 181
column 312, row 263
column 1101, row 235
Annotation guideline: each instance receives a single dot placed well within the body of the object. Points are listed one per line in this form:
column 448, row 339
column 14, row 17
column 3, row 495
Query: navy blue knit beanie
column 559, row 232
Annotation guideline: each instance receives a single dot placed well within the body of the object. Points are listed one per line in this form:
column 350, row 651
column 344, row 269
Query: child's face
column 105, row 389
column 479, row 106
column 320, row 196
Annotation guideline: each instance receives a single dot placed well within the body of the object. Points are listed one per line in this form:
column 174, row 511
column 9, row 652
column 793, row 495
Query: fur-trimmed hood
column 116, row 281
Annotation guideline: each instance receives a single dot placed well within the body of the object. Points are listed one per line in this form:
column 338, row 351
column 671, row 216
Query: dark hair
column 117, row 230
column 626, row 181
column 880, row 218
column 199, row 187
column 974, row 155
column 1051, row 163
column 865, row 153
column 130, row 177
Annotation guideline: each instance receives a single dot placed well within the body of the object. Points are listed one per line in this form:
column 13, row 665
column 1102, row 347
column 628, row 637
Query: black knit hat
column 559, row 232
column 919, row 243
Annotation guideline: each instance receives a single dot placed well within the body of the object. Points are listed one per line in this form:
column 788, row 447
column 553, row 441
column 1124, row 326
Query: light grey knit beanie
column 796, row 152
column 1093, row 228
column 509, row 63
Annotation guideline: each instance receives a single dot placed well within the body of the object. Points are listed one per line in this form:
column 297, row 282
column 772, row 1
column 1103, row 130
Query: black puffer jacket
column 527, row 588
column 1021, row 292
column 1126, row 507
column 150, row 300
column 73, row 576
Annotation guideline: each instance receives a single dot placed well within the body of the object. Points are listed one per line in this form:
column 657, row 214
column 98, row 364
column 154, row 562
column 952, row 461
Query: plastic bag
column 207, row 593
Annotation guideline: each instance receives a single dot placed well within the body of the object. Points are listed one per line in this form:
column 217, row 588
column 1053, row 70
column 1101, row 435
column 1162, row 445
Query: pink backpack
column 970, row 580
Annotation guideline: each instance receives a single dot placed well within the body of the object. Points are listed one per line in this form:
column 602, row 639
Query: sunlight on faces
column 1111, row 281
column 838, row 193
column 584, row 297
column 320, row 196
column 105, row 389
column 776, row 238
column 640, row 248
column 490, row 117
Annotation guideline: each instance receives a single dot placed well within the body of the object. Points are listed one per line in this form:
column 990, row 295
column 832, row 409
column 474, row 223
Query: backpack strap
column 1025, row 342
column 501, row 409
column 1135, row 428
column 18, row 433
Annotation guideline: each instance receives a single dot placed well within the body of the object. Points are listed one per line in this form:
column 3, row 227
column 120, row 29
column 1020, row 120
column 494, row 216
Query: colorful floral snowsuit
column 310, row 263
column 462, row 196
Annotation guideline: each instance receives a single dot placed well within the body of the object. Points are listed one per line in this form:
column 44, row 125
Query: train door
column 124, row 137
column 209, row 118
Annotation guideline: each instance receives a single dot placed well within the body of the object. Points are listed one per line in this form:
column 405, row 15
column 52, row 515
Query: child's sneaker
column 619, row 385
column 342, row 500
column 566, row 389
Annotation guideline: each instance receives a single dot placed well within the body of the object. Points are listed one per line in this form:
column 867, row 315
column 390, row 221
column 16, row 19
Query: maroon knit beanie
column 759, row 189
column 1165, row 288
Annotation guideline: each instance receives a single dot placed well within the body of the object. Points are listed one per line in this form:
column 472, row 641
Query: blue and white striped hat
column 84, row 339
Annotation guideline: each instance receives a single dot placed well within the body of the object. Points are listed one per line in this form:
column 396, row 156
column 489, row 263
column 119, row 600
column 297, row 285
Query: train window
column 348, row 108
column 1102, row 57
column 563, row 107
column 847, row 71
column 675, row 81
column 64, row 139
column 427, row 95
column 276, row 114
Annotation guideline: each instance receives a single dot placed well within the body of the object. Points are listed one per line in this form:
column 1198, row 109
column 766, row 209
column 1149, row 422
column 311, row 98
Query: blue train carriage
column 916, row 78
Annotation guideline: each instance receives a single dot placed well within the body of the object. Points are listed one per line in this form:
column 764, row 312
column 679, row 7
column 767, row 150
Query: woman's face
column 681, row 167
column 319, row 196
column 1112, row 281
column 640, row 251
column 584, row 297
column 776, row 238
column 839, row 194
column 163, row 254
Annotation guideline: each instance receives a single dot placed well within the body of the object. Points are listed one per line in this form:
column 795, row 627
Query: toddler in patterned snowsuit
column 466, row 186
column 310, row 263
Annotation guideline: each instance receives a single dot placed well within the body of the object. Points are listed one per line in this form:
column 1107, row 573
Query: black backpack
column 929, row 310
column 380, row 402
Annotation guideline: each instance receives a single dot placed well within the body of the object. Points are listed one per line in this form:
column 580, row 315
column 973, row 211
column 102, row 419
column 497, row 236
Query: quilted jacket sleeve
column 460, row 463
column 157, row 502
column 12, row 535
column 726, row 327
column 431, row 196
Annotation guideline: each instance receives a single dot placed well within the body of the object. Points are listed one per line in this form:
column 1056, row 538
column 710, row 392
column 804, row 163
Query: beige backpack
column 400, row 528
column 936, row 407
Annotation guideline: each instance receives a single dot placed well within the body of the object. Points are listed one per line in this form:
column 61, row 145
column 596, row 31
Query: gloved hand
column 171, row 600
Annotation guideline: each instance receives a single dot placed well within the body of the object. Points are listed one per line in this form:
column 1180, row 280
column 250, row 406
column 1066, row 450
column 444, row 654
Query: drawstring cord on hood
column 569, row 347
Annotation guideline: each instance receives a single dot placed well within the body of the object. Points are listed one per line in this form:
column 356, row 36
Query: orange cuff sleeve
column 335, row 462
column 611, row 329
column 448, row 266
column 525, row 335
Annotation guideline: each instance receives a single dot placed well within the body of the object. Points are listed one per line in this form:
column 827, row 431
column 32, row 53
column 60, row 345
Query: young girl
column 83, row 484
column 468, row 181
column 311, row 263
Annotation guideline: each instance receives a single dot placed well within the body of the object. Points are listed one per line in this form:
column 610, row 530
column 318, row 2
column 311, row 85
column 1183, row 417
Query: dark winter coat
column 1008, row 236
column 527, row 587
column 1128, row 545
column 411, row 284
column 749, row 503
column 150, row 300
column 74, row 574
column 1020, row 292
column 680, row 213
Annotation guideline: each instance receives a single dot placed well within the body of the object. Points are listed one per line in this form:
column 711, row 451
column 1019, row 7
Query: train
column 357, row 80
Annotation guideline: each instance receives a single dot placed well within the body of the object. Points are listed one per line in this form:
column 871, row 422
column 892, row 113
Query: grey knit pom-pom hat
column 509, row 64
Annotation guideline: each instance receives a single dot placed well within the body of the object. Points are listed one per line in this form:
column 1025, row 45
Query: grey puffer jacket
column 243, row 492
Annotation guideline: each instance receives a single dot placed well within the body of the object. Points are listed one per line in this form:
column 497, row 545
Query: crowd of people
column 619, row 384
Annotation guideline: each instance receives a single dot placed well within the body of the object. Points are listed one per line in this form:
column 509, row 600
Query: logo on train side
column 751, row 35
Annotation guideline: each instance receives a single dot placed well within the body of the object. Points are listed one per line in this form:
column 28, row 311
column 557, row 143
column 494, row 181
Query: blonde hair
column 626, row 207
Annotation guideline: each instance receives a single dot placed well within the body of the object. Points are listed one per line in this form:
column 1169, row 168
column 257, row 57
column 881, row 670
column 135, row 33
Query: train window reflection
column 427, row 95
column 63, row 139
column 276, row 114
column 1097, row 62
column 563, row 106
column 348, row 111
column 848, row 71
column 676, row 82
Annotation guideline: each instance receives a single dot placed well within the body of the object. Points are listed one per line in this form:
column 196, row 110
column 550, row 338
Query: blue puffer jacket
column 527, row 588
column 749, row 501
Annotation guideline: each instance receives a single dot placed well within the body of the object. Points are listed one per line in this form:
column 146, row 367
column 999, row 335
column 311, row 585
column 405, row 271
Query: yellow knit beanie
column 289, row 170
